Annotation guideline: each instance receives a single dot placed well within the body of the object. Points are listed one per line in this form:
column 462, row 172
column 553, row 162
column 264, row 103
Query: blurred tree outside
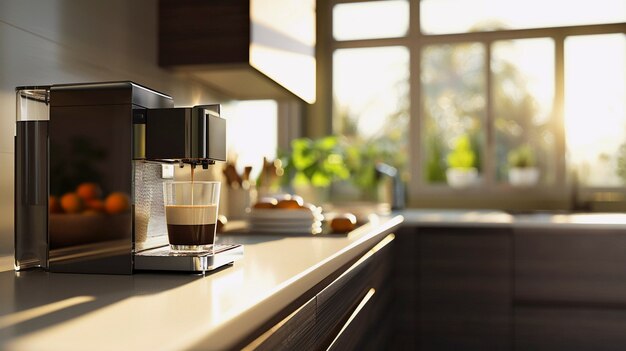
column 454, row 102
column 387, row 145
column 454, row 98
column 519, row 119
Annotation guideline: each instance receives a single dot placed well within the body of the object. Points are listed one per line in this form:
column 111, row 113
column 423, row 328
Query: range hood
column 246, row 49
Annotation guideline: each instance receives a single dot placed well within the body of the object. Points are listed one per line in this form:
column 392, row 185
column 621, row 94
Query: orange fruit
column 95, row 205
column 71, row 203
column 88, row 190
column 54, row 206
column 117, row 202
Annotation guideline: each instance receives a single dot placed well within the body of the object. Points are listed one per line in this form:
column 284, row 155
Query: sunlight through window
column 595, row 108
column 252, row 133
column 370, row 20
column 460, row 16
column 522, row 99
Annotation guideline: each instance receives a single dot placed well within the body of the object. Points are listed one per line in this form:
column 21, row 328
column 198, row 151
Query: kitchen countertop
column 455, row 218
column 43, row 311
column 496, row 218
column 166, row 311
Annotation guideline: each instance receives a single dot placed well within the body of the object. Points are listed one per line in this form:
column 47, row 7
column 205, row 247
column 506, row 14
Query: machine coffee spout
column 191, row 135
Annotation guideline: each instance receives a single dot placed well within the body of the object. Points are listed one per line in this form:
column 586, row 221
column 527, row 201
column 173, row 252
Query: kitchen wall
column 65, row 41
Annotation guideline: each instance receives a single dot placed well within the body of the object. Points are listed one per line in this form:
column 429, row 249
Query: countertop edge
column 254, row 316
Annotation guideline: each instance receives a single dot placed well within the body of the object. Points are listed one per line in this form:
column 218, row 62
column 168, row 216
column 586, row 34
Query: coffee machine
column 128, row 140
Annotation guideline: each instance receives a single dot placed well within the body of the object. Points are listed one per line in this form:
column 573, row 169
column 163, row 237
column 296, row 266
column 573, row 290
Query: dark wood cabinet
column 244, row 48
column 406, row 266
column 553, row 328
column 570, row 265
column 352, row 312
column 570, row 289
column 454, row 288
column 472, row 288
column 464, row 297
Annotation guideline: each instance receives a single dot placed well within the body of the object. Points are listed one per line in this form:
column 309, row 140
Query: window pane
column 243, row 143
column 371, row 103
column 453, row 96
column 595, row 108
column 460, row 16
column 370, row 20
column 523, row 94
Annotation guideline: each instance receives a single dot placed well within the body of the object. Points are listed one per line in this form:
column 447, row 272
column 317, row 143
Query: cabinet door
column 570, row 266
column 405, row 282
column 296, row 332
column 570, row 289
column 352, row 311
column 465, row 287
column 569, row 329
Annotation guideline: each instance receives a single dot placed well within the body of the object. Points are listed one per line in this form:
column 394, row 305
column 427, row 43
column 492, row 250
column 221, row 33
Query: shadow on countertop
column 34, row 300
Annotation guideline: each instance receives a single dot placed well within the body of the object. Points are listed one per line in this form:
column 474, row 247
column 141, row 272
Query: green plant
column 315, row 162
column 621, row 162
column 435, row 169
column 462, row 156
column 521, row 157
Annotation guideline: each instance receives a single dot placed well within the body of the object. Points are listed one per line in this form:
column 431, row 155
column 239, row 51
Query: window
column 453, row 103
column 462, row 16
column 376, row 111
column 595, row 108
column 522, row 98
column 375, row 19
column 251, row 133
column 489, row 85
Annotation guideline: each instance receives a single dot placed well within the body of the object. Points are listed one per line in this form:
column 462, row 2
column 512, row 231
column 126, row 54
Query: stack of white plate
column 286, row 221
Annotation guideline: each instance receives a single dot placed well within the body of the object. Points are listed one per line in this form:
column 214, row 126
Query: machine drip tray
column 163, row 259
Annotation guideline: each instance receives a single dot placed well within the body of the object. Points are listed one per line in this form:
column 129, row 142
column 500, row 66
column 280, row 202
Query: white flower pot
column 527, row 176
column 461, row 177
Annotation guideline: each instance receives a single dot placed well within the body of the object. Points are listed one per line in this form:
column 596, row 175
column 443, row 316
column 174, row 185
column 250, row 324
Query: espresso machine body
column 100, row 133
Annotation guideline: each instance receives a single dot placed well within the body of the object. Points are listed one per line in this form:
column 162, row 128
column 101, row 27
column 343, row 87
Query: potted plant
column 522, row 167
column 312, row 165
column 461, row 170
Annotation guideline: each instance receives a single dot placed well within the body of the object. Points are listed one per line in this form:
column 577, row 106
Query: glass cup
column 191, row 214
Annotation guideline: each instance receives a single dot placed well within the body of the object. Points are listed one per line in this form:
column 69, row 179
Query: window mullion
column 488, row 148
column 416, row 154
column 559, row 101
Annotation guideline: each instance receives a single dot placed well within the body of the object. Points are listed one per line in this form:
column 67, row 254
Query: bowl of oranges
column 85, row 215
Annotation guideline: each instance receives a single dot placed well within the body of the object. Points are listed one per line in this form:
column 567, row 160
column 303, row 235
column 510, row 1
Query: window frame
column 563, row 195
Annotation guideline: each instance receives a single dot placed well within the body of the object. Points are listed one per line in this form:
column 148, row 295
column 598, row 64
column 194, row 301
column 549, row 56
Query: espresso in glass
column 191, row 224
column 191, row 214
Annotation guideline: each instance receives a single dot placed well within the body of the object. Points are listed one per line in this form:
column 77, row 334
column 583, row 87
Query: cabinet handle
column 268, row 334
column 353, row 316
column 368, row 255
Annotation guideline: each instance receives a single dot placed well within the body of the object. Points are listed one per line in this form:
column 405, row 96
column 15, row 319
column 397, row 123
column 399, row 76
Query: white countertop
column 150, row 311
column 164, row 311
column 496, row 218
column 456, row 218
